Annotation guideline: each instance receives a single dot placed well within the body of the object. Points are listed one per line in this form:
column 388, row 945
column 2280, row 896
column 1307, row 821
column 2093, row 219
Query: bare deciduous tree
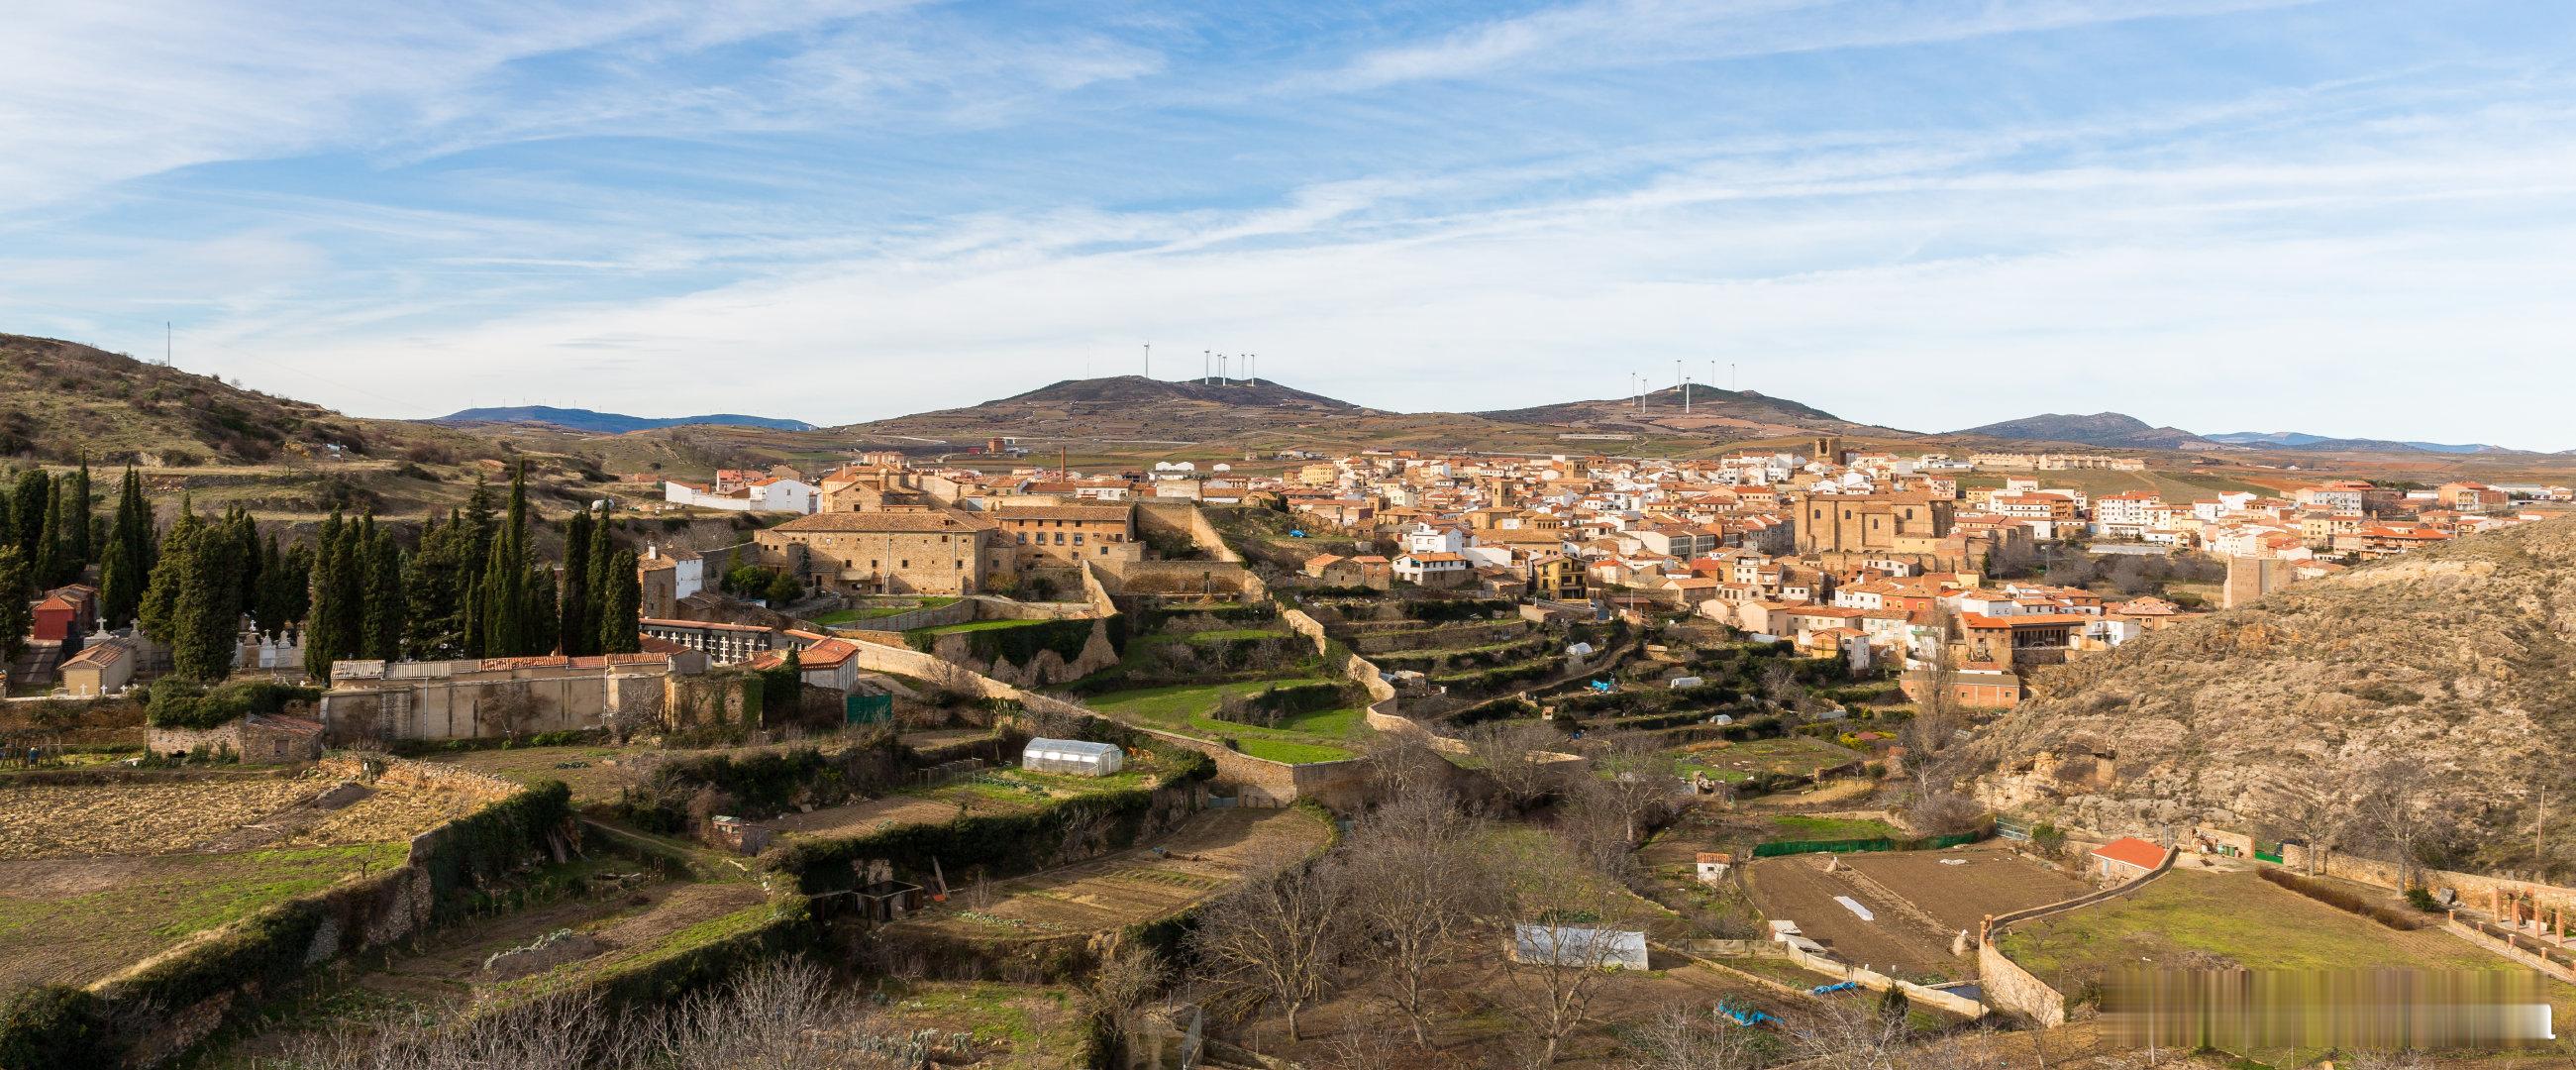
column 1126, row 980
column 1684, row 1038
column 1636, row 777
column 1567, row 911
column 1424, row 882
column 1282, row 934
column 1510, row 754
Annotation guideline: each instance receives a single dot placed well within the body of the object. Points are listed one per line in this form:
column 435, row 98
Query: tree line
column 470, row 585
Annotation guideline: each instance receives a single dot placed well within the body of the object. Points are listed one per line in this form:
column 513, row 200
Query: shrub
column 177, row 703
column 2423, row 900
column 58, row 1027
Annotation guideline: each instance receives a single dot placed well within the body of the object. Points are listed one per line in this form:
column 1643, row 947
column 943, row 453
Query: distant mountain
column 2299, row 440
column 610, row 423
column 1707, row 410
column 1124, row 406
column 2111, row 429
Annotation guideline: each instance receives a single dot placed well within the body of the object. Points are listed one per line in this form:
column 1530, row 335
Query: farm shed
column 1073, row 756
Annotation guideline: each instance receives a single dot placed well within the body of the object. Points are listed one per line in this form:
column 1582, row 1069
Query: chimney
column 652, row 551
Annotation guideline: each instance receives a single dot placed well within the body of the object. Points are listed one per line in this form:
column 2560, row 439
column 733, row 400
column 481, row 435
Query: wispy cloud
column 1616, row 33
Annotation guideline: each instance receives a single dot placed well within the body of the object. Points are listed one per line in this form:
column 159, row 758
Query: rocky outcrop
column 2451, row 669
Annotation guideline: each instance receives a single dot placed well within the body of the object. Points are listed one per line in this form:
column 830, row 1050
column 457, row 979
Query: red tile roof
column 2134, row 851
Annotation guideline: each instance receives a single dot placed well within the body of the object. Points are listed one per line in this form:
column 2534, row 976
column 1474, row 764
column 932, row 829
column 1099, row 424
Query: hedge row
column 762, row 784
column 1015, row 645
column 177, row 703
column 1010, row 842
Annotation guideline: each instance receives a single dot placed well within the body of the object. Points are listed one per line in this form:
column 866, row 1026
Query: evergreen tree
column 386, row 602
column 602, row 558
column 269, row 602
column 499, row 599
column 128, row 564
column 321, row 646
column 206, row 625
column 159, row 612
column 27, row 504
column 16, row 616
column 543, row 611
column 435, row 580
column 83, row 547
column 54, row 566
column 254, row 560
column 618, row 621
column 579, row 631
column 507, row 600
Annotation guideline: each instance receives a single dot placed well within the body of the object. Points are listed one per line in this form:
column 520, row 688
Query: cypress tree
column 603, row 557
column 271, row 605
column 349, row 574
column 206, row 626
column 27, row 503
column 128, row 563
column 83, row 548
column 321, row 647
column 159, row 612
column 254, row 560
column 435, row 580
column 618, row 622
column 579, row 633
column 386, row 602
column 16, row 616
column 504, row 580
column 543, row 611
column 53, row 563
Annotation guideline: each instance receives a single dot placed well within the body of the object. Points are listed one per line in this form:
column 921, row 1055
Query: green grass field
column 1322, row 736
column 2193, row 917
column 152, row 903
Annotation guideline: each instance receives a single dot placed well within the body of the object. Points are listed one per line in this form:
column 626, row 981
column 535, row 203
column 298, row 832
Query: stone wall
column 2013, row 988
column 489, row 705
column 2008, row 986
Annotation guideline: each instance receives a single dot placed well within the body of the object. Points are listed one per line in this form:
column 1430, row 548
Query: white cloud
column 1928, row 289
column 1610, row 33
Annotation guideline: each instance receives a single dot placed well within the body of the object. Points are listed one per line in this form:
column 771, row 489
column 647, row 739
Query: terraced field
column 1154, row 881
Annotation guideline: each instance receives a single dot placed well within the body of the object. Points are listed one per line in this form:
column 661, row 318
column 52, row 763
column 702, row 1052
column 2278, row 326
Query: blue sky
column 2336, row 217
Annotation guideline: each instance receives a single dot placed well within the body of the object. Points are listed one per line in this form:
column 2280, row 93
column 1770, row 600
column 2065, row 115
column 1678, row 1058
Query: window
column 906, row 563
column 1077, row 538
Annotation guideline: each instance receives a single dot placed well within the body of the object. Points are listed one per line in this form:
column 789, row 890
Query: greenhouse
column 1073, row 756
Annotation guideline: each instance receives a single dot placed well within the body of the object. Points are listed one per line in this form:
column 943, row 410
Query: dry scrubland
column 75, row 821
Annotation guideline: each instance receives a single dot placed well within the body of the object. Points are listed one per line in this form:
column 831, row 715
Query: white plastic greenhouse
column 1073, row 756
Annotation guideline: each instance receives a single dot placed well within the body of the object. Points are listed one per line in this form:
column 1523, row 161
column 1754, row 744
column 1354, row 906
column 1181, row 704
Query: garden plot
column 95, row 877
column 1783, row 756
column 1915, row 902
column 1203, row 857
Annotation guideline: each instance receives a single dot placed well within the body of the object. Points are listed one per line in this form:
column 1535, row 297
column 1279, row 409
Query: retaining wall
column 2007, row 985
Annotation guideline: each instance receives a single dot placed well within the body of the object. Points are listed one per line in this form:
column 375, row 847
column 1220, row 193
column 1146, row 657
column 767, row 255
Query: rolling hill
column 61, row 401
column 607, row 422
column 1125, row 406
column 2451, row 670
column 2107, row 429
column 1721, row 413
